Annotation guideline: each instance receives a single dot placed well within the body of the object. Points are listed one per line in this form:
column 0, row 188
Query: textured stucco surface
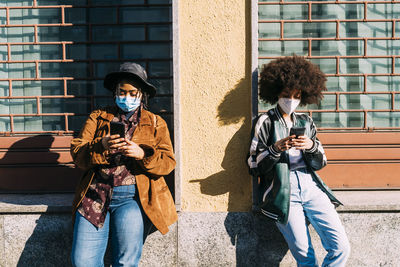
column 30, row 240
column 215, row 104
column 36, row 240
column 202, row 239
column 2, row 255
column 241, row 239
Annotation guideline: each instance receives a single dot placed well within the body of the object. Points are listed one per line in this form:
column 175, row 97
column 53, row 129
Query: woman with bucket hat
column 125, row 151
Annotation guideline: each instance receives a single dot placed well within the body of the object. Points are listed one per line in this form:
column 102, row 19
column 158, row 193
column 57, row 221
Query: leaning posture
column 285, row 154
column 124, row 151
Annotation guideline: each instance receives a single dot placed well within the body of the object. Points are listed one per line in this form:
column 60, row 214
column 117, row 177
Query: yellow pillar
column 215, row 89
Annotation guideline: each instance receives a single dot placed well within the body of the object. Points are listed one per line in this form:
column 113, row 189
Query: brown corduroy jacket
column 153, row 136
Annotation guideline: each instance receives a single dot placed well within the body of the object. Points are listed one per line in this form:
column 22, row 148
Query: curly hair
column 291, row 73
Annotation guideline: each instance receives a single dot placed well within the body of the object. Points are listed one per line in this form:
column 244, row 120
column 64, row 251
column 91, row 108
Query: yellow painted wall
column 215, row 86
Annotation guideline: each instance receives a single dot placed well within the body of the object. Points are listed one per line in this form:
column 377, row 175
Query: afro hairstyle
column 292, row 73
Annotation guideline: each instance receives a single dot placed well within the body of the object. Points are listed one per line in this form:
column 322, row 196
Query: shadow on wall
column 234, row 179
column 39, row 163
column 31, row 238
column 257, row 240
column 50, row 242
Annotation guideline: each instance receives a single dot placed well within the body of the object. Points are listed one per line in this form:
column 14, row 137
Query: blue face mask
column 127, row 103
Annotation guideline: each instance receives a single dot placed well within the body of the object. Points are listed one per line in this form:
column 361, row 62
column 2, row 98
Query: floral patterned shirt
column 97, row 199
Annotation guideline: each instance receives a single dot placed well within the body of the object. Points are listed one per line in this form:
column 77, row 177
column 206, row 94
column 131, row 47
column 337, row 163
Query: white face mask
column 288, row 105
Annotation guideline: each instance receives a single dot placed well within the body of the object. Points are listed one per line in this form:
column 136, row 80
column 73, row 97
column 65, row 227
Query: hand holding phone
column 111, row 142
column 283, row 144
column 117, row 128
column 297, row 131
column 301, row 141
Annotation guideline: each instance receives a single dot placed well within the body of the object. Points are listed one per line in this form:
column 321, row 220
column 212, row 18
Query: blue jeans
column 309, row 202
column 127, row 225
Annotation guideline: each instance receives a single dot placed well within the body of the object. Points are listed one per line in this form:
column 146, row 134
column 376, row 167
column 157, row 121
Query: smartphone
column 297, row 131
column 117, row 128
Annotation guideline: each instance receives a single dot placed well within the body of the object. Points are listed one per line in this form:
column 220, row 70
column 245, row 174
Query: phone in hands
column 117, row 128
column 297, row 131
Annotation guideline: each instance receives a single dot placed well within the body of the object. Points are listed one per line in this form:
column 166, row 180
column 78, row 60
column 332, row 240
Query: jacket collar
column 108, row 113
column 145, row 118
column 281, row 119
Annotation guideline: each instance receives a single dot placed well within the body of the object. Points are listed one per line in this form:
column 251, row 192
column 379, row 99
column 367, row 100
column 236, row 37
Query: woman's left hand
column 131, row 149
column 302, row 142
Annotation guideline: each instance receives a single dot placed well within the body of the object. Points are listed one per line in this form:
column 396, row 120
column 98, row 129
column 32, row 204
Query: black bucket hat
column 131, row 71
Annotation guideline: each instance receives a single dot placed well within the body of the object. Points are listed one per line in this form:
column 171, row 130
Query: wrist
column 276, row 149
column 310, row 145
column 312, row 148
column 141, row 154
column 273, row 151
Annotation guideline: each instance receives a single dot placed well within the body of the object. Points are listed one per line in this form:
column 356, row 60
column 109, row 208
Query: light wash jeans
column 127, row 226
column 309, row 202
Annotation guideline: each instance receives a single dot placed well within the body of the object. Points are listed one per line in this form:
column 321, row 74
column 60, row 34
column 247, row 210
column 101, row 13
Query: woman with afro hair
column 285, row 154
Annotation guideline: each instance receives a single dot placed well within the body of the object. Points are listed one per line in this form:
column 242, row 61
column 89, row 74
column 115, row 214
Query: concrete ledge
column 242, row 239
column 35, row 230
column 201, row 239
column 35, row 203
column 367, row 201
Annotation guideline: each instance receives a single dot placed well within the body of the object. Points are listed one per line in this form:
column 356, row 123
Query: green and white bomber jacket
column 272, row 168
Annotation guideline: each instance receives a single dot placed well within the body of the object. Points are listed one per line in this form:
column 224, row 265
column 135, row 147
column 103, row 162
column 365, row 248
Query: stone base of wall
column 198, row 239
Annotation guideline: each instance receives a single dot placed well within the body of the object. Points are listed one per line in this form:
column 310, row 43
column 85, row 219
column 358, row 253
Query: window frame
column 382, row 145
column 61, row 139
column 176, row 104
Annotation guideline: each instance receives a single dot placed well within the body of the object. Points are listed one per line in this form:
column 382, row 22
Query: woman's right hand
column 284, row 144
column 113, row 142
